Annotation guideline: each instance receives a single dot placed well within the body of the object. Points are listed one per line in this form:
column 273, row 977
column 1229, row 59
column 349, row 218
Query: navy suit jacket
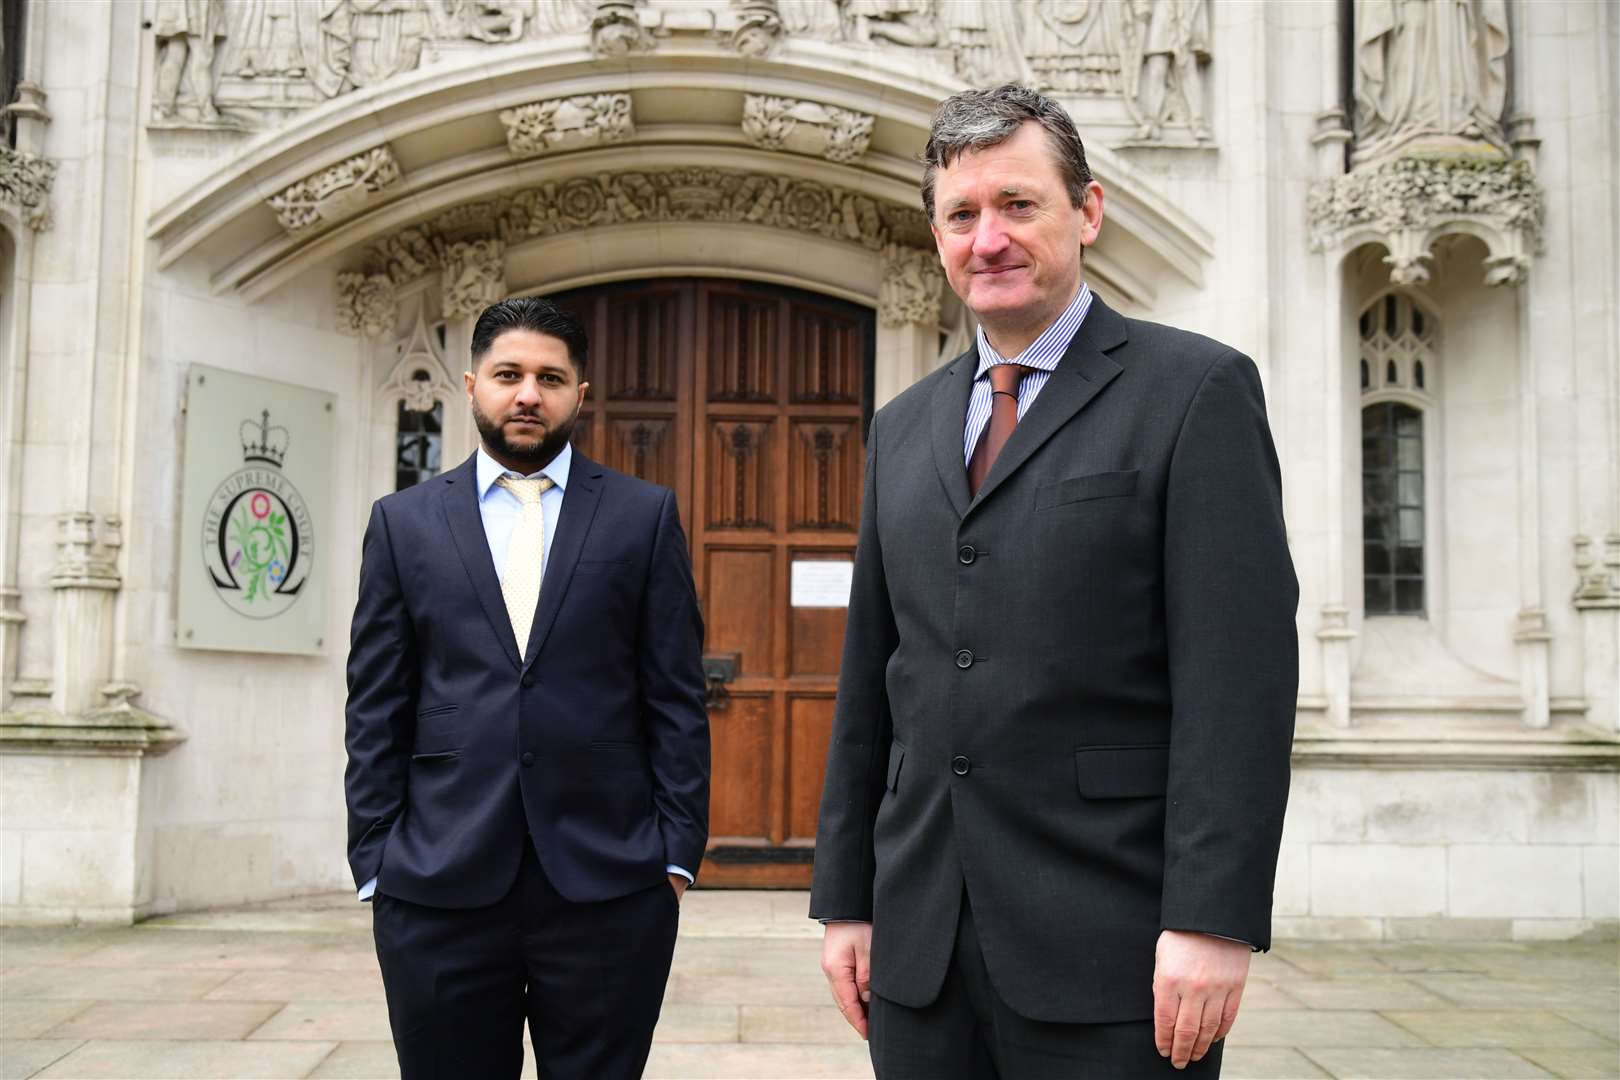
column 597, row 745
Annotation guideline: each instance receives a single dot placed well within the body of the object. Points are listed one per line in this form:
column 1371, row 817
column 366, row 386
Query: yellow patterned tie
column 520, row 585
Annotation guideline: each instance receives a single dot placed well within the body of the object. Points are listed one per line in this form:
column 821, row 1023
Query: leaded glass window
column 1392, row 508
column 419, row 441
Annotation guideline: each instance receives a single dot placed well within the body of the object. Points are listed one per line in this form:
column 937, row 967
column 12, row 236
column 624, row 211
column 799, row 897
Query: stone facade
column 326, row 194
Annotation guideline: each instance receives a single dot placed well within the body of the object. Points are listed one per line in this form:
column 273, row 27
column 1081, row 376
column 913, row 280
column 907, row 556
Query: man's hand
column 1197, row 984
column 846, row 960
column 679, row 884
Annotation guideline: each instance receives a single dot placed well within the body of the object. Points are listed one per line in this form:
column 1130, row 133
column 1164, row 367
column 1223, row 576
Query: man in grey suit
column 1057, row 774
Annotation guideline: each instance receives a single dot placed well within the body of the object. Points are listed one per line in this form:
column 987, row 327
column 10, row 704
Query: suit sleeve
column 863, row 727
column 380, row 717
column 1230, row 598
column 670, row 661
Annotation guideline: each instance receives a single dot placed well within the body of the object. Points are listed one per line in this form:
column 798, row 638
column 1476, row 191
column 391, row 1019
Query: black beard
column 535, row 457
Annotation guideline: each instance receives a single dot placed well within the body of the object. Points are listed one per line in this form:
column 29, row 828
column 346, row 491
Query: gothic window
column 1397, row 340
column 1392, row 508
column 418, row 439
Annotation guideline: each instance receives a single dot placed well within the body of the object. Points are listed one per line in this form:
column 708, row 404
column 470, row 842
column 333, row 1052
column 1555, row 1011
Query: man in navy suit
column 528, row 745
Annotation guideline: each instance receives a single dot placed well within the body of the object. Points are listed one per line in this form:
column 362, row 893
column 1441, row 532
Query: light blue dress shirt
column 500, row 509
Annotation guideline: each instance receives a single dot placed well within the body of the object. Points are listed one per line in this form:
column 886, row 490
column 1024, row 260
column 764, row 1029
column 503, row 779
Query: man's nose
column 528, row 392
column 989, row 238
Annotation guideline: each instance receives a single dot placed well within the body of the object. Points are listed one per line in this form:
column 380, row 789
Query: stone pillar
column 1531, row 633
column 908, row 319
column 1597, row 599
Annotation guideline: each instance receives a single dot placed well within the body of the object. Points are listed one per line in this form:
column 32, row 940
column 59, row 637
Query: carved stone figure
column 811, row 19
column 385, row 36
column 568, row 123
column 984, row 39
column 805, row 127
column 494, row 21
column 187, row 32
column 900, row 22
column 1168, row 41
column 287, row 39
column 616, row 30
column 1074, row 46
column 758, row 29
column 911, row 287
column 25, row 185
column 474, row 276
column 562, row 17
column 1429, row 68
column 366, row 304
column 335, row 193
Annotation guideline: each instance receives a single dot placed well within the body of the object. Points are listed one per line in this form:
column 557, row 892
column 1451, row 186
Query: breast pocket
column 1073, row 489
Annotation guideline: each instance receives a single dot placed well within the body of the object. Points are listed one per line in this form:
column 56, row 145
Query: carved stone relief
column 616, row 29
column 1432, row 73
column 367, row 304
column 568, row 123
column 805, row 127
column 336, row 193
column 912, row 285
column 474, row 276
column 1409, row 202
column 25, row 186
column 730, row 196
column 419, row 378
column 87, row 551
column 188, row 33
column 1598, row 584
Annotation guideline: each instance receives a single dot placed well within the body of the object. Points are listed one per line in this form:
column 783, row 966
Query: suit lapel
column 580, row 499
column 1082, row 373
column 950, row 420
column 466, row 524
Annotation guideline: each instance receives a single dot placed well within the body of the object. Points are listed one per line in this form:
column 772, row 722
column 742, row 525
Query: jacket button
column 528, row 680
column 964, row 659
column 965, row 554
column 527, row 759
column 960, row 765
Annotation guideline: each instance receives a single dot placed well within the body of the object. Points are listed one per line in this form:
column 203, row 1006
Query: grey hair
column 979, row 119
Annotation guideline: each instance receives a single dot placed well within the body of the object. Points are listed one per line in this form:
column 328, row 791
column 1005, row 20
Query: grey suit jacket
column 1072, row 695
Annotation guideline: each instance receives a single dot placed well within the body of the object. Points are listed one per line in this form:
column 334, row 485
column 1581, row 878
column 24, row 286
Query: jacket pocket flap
column 1100, row 485
column 1122, row 772
column 897, row 755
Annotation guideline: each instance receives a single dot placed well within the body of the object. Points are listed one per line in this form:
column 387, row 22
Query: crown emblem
column 261, row 442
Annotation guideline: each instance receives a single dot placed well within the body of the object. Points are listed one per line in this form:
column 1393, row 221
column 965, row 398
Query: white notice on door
column 822, row 582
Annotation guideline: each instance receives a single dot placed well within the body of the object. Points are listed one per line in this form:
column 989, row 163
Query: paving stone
column 109, row 984
column 1259, row 994
column 1327, row 959
column 726, row 1061
column 1576, row 1064
column 1481, row 992
column 31, row 1019
column 682, row 1022
column 335, row 1021
column 1368, row 1063
column 1363, row 992
column 1266, row 1063
column 20, row 1058
column 160, row 1060
column 745, row 956
column 1311, row 1028
column 1605, row 1022
column 152, row 1020
column 205, row 951
column 300, row 986
column 810, row 989
column 369, row 1060
column 795, row 1024
column 28, row 947
column 1483, row 1028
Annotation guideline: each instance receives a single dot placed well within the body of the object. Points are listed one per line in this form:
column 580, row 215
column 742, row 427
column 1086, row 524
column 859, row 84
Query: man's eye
column 960, row 215
column 1020, row 204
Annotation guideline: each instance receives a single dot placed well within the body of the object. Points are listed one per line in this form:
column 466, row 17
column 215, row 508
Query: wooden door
column 749, row 401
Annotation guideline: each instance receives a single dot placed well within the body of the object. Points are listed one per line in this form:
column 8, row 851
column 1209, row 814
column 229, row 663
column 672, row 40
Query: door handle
column 718, row 670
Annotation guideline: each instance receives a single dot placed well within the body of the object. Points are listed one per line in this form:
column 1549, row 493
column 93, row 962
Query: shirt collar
column 1046, row 350
column 490, row 470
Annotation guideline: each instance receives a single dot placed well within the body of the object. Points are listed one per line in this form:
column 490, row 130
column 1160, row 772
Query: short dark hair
column 530, row 313
column 979, row 119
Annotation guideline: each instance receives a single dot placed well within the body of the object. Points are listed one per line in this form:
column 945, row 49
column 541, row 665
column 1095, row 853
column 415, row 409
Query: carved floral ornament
column 806, row 127
column 1411, row 201
column 912, row 285
column 25, row 186
column 334, row 194
column 569, row 123
column 720, row 196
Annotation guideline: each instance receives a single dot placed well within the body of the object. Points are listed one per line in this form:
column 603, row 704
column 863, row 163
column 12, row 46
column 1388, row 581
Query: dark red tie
column 1004, row 380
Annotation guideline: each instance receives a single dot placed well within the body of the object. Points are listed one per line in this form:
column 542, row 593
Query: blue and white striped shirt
column 1043, row 355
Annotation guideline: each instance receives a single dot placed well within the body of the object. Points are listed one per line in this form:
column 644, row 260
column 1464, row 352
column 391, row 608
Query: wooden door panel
column 809, row 730
column 748, row 400
column 738, row 590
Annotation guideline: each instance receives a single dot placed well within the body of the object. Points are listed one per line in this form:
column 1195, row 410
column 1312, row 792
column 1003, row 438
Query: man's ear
column 468, row 378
